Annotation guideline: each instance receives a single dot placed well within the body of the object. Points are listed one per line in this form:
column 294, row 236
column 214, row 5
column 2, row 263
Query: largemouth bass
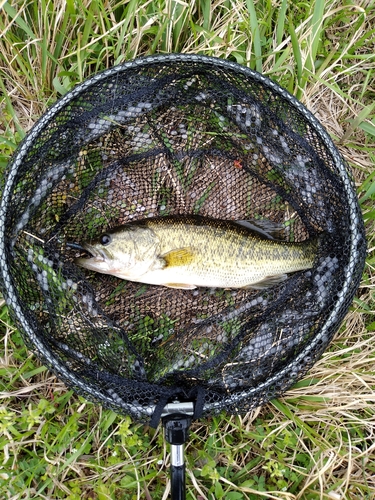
column 191, row 251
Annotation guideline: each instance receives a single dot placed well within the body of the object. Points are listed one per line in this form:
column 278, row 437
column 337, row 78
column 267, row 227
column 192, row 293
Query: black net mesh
column 176, row 135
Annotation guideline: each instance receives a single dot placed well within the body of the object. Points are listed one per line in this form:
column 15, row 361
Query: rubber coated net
column 176, row 135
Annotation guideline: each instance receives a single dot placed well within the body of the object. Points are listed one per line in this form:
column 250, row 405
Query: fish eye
column 105, row 239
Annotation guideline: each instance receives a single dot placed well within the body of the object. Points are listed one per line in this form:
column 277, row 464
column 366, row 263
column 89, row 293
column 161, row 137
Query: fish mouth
column 96, row 253
column 86, row 248
column 95, row 260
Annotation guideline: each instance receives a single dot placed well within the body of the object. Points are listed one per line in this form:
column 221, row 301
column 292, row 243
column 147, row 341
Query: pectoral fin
column 267, row 282
column 178, row 257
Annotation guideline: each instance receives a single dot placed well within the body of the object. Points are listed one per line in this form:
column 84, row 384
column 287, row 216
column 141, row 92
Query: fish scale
column 190, row 251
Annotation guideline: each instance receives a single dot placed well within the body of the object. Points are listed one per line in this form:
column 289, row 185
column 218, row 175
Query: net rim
column 355, row 227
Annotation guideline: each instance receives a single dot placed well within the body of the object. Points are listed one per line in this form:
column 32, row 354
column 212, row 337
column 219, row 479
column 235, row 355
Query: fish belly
column 185, row 277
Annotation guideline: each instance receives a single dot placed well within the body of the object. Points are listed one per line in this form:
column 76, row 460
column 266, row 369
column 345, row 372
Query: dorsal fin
column 264, row 227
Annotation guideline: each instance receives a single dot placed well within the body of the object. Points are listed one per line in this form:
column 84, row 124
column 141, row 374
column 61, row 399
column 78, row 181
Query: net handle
column 176, row 428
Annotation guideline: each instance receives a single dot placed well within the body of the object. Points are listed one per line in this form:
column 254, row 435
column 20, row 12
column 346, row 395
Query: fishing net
column 166, row 135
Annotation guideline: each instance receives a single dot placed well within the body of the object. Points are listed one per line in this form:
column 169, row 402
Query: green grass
column 317, row 441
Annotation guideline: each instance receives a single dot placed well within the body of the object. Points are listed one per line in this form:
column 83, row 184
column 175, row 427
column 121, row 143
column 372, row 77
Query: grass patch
column 317, row 441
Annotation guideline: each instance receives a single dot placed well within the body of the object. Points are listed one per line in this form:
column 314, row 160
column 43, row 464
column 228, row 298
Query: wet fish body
column 191, row 251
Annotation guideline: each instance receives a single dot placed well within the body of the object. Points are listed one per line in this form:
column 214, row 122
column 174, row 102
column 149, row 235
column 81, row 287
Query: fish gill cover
column 176, row 135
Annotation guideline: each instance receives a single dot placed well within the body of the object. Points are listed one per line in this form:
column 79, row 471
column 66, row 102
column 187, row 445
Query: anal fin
column 267, row 282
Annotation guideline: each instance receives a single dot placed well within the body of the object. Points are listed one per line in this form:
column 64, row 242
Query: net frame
column 279, row 381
